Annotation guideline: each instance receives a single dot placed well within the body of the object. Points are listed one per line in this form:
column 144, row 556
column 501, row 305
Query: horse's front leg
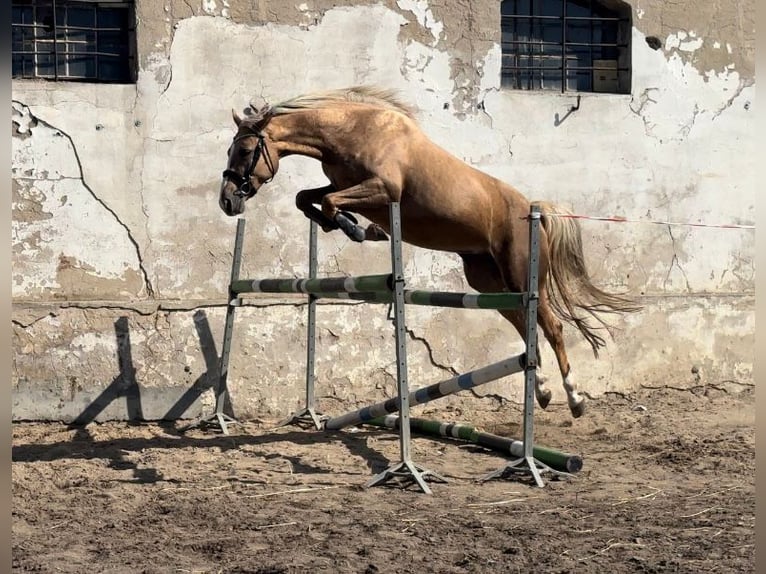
column 306, row 199
column 370, row 194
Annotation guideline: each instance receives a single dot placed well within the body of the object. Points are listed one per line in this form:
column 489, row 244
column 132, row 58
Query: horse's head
column 251, row 164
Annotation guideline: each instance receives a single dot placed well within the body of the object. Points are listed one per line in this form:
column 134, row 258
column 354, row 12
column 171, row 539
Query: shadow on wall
column 125, row 383
column 120, row 452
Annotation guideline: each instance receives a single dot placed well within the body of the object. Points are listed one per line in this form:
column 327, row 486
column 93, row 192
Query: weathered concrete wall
column 122, row 256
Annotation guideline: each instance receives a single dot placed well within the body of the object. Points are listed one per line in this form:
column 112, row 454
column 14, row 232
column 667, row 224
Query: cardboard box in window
column 605, row 80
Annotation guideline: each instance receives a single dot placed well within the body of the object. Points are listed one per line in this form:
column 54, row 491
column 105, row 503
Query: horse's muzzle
column 230, row 203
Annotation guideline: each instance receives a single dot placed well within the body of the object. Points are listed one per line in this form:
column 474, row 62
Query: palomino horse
column 373, row 152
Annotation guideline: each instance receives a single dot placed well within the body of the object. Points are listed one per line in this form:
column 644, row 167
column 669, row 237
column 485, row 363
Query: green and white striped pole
column 375, row 289
column 437, row 298
column 557, row 460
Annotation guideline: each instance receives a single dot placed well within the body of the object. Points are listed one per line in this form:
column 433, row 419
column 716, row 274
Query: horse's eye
column 244, row 152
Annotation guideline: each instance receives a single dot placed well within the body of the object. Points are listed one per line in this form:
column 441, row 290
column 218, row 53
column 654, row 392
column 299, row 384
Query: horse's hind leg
column 482, row 274
column 514, row 272
column 554, row 333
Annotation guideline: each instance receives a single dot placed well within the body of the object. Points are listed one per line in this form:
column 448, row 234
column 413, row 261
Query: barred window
column 566, row 45
column 73, row 40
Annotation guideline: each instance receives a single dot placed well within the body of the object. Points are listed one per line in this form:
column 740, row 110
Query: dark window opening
column 566, row 45
column 73, row 40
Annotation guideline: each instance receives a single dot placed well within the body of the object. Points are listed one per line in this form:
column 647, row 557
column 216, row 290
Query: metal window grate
column 577, row 45
column 73, row 40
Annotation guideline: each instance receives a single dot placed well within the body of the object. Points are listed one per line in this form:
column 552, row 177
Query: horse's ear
column 235, row 115
column 258, row 105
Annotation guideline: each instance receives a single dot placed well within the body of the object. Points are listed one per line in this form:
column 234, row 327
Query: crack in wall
column 738, row 92
column 482, row 106
column 687, row 128
column 170, row 78
column 150, row 307
column 23, row 325
column 144, row 209
column 147, row 282
column 191, row 8
column 156, row 310
column 644, row 99
column 430, row 351
column 675, row 263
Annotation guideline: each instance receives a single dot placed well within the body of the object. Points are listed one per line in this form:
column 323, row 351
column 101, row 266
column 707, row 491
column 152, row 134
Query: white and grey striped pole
column 436, row 391
column 363, row 283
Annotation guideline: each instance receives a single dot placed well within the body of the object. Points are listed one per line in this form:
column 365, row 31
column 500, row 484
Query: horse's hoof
column 544, row 398
column 375, row 232
column 356, row 234
column 347, row 223
column 578, row 409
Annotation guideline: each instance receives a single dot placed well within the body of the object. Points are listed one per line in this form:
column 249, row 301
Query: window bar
column 570, row 44
column 516, row 55
column 55, row 43
column 65, row 41
column 35, row 58
column 590, row 48
column 563, row 46
column 96, row 31
column 530, row 34
column 601, row 19
column 583, row 44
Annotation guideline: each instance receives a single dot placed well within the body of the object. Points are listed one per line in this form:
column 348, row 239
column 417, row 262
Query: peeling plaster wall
column 121, row 256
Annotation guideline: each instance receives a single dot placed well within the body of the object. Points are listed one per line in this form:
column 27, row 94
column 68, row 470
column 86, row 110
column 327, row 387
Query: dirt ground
column 667, row 489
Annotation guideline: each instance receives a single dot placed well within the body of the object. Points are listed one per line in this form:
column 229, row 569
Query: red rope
column 620, row 219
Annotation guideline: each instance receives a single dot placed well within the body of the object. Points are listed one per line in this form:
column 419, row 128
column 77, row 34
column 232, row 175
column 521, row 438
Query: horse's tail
column 570, row 287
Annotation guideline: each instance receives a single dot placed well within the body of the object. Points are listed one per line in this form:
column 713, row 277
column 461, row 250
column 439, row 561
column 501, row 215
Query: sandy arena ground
column 666, row 489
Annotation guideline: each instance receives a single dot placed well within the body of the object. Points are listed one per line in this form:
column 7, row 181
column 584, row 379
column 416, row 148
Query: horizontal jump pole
column 432, row 392
column 439, row 299
column 561, row 461
column 364, row 283
column 378, row 289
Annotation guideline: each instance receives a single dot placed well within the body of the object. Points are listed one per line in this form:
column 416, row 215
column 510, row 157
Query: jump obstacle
column 390, row 289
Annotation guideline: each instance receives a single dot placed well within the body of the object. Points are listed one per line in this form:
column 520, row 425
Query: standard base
column 526, row 464
column 303, row 418
column 217, row 420
column 409, row 471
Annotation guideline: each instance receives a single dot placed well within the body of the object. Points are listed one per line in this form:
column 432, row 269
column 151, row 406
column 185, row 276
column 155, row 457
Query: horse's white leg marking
column 542, row 393
column 575, row 401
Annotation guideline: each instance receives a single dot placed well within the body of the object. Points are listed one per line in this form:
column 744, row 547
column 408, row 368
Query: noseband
column 244, row 188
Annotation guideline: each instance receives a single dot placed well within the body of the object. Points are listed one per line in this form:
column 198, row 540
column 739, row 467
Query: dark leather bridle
column 244, row 188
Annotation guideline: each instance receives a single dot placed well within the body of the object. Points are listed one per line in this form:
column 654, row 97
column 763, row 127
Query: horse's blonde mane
column 372, row 95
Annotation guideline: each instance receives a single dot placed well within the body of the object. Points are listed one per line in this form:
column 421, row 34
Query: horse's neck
column 307, row 133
